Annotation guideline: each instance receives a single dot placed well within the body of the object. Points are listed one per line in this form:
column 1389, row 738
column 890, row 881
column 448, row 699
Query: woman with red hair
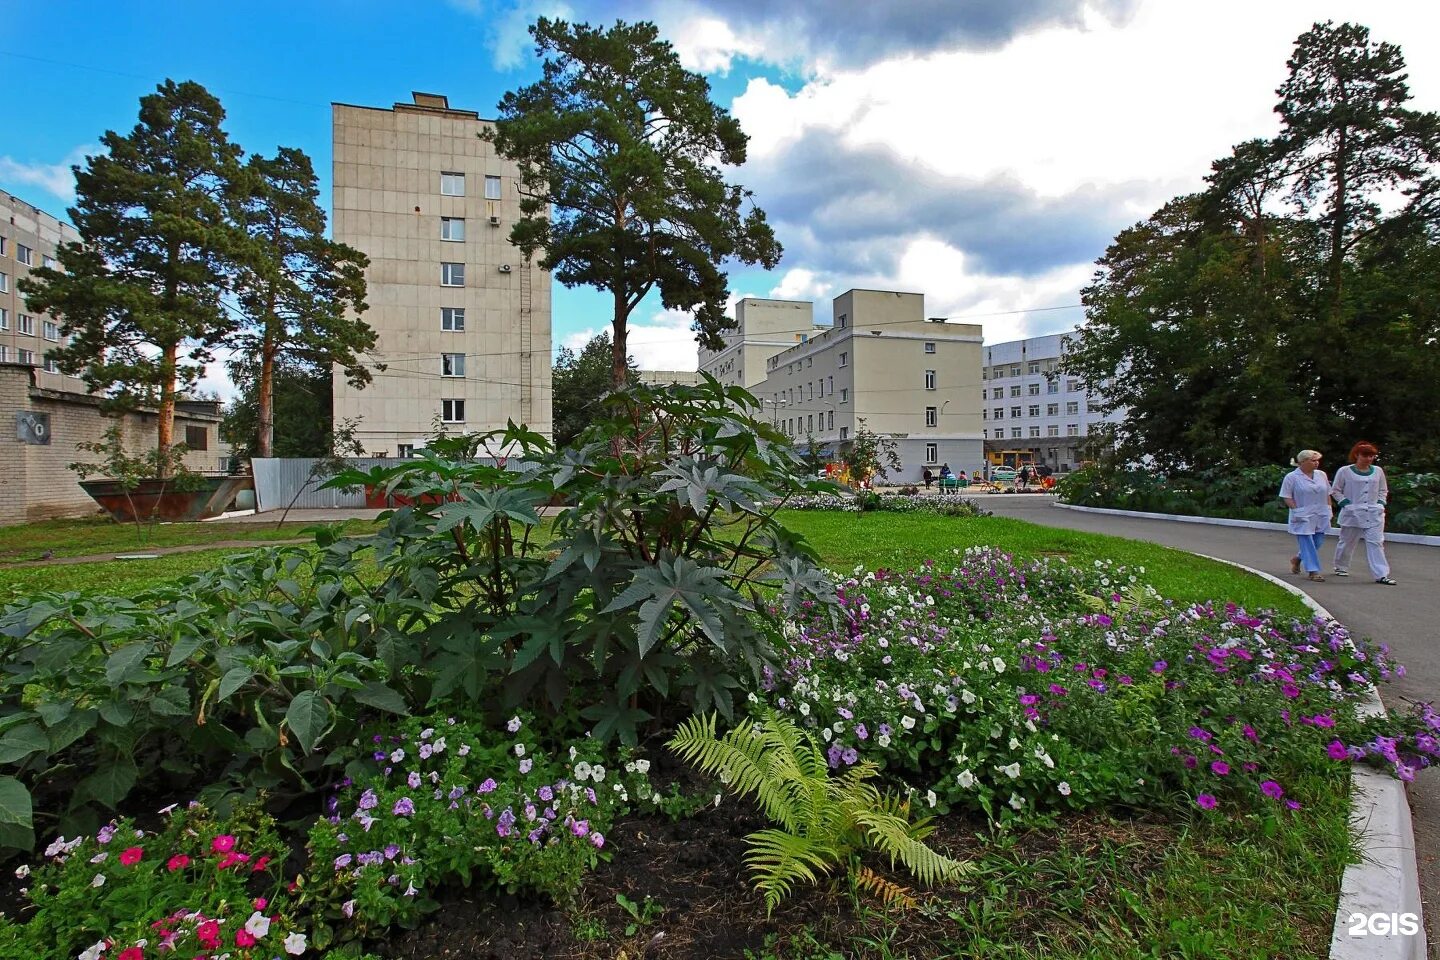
column 1360, row 491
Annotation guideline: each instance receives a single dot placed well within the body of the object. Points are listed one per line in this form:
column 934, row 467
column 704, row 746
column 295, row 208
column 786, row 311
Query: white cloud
column 57, row 179
column 707, row 44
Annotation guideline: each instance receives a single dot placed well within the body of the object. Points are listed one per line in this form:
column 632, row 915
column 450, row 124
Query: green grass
column 119, row 577
column 97, row 535
column 905, row 540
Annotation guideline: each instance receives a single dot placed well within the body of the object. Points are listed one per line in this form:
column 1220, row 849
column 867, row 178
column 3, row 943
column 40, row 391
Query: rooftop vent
column 436, row 100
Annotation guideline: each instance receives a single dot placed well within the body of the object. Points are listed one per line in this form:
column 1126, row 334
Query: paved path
column 156, row 551
column 1404, row 616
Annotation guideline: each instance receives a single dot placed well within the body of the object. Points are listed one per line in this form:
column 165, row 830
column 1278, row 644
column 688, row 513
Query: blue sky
column 982, row 153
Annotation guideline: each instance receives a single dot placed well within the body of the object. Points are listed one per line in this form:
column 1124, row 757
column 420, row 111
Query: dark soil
column 694, row 870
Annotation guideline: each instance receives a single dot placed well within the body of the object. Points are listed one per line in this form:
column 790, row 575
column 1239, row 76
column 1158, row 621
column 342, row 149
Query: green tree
column 622, row 156
column 140, row 294
column 869, row 454
column 301, row 294
column 301, row 412
column 580, row 381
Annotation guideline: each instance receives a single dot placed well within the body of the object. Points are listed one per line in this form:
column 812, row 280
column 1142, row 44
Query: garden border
column 1416, row 538
column 1387, row 878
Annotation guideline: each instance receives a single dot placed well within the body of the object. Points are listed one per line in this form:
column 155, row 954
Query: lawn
column 98, row 535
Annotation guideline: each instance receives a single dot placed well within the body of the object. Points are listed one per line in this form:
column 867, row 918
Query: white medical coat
column 1311, row 513
column 1365, row 493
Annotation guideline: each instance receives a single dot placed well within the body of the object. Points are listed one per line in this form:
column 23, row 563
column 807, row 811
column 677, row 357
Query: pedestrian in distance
column 1306, row 491
column 945, row 473
column 1024, row 476
column 927, row 476
column 1361, row 492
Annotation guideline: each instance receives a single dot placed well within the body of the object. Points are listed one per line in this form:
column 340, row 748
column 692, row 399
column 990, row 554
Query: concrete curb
column 1386, row 881
column 1422, row 540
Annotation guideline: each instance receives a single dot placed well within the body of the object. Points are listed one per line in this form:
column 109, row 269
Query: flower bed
column 949, row 504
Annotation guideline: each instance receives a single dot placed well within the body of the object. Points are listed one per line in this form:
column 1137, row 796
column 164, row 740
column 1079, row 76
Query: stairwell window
column 932, row 453
column 452, row 184
column 452, row 411
column 929, row 346
column 452, row 228
column 452, row 274
column 4, row 320
column 932, row 416
column 452, row 364
column 844, row 359
column 844, row 433
column 929, row 379
column 452, row 319
column 844, row 394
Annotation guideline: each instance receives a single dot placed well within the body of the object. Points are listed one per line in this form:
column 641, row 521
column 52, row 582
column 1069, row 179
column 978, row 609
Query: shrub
column 646, row 598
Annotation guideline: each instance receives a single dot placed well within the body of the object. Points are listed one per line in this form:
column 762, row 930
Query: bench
column 953, row 483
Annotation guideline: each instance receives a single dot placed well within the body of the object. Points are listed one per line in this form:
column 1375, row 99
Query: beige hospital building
column 463, row 321
column 880, row 361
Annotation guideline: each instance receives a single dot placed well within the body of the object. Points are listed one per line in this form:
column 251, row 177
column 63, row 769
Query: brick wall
column 35, row 480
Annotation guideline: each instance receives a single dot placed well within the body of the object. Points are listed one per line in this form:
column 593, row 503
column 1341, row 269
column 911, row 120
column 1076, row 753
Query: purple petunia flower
column 1206, row 801
column 1220, row 768
column 506, row 824
column 404, row 807
column 1272, row 790
column 1337, row 751
column 486, row 787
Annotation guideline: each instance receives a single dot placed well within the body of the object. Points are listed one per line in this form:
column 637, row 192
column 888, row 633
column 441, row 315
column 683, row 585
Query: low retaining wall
column 1426, row 541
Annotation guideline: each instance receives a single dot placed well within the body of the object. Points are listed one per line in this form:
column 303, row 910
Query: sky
column 981, row 152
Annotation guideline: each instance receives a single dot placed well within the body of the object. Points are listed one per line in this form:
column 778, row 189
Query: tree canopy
column 1295, row 302
column 579, row 381
column 622, row 156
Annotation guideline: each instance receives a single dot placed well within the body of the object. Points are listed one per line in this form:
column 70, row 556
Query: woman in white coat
column 1306, row 491
column 1360, row 491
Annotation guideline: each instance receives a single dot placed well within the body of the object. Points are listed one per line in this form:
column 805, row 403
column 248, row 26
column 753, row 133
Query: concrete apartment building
column 463, row 320
column 881, row 361
column 665, row 378
column 29, row 238
column 763, row 329
column 1027, row 406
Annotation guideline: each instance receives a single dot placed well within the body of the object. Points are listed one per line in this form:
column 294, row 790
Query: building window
column 1034, row 410
column 452, row 319
column 844, row 394
column 929, row 379
column 810, row 423
column 1072, row 430
column 1014, row 433
column 842, row 321
column 452, row 184
column 929, row 347
column 1034, row 389
column 4, row 283
column 4, row 319
column 1052, row 386
column 452, row 274
column 1072, row 407
column 405, row 450
column 932, row 453
column 26, row 324
column 1072, row 386
column 832, row 420
column 1034, row 431
column 998, row 393
column 809, row 361
column 4, row 353
column 1033, row 366
column 52, row 366
column 932, row 416
column 999, row 413
column 48, row 261
column 24, row 254
column 830, row 385
column 844, row 433
column 452, row 228
column 4, row 246
column 1015, row 371
column 1052, row 409
column 51, row 330
column 1015, row 390
column 844, row 359
column 492, row 188
column 452, row 364
column 452, row 411
column 197, row 438
column 27, row 356
column 1053, row 430
column 984, row 414
column 1015, row 413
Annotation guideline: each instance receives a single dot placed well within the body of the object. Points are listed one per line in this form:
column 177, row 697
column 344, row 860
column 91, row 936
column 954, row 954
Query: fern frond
column 743, row 761
column 891, row 836
column 779, row 860
column 889, row 892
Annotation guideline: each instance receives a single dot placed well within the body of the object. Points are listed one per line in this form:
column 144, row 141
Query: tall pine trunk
column 1337, row 228
column 165, row 426
column 264, row 441
column 619, row 365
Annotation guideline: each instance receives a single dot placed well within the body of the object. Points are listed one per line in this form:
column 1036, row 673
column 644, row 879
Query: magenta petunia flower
column 1220, row 768
column 1206, row 801
column 1272, row 790
column 1337, row 751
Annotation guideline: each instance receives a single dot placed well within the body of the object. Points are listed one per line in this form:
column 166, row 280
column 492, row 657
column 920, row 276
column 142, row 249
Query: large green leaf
column 15, row 803
column 126, row 662
column 234, row 679
column 20, row 742
column 307, row 717
column 112, row 780
column 682, row 581
column 381, row 697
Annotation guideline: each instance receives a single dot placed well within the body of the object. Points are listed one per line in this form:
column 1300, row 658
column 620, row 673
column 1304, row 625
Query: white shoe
column 1341, row 573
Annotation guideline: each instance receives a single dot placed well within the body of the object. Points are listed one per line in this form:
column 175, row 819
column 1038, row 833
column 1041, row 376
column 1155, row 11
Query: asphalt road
column 1404, row 616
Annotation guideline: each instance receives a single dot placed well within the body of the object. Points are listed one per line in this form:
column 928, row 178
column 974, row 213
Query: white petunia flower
column 967, row 696
column 519, row 749
column 642, row 765
column 1016, row 801
column 966, row 779
column 907, row 722
column 930, row 797
column 99, row 880
column 1011, row 770
column 258, row 925
column 998, row 664
column 295, row 944
column 1064, row 788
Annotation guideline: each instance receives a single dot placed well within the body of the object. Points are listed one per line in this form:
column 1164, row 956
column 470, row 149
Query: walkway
column 1404, row 616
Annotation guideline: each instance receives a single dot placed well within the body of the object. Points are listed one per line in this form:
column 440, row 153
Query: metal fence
column 278, row 480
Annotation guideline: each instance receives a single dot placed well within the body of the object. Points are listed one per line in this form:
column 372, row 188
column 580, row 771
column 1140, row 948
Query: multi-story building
column 763, row 329
column 881, row 362
column 665, row 378
column 1029, row 406
column 463, row 320
column 29, row 238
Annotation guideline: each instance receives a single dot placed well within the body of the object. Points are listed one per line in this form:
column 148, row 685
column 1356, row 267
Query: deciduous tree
column 579, row 382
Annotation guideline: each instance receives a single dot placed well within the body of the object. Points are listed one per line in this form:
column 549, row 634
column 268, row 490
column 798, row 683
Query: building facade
column 883, row 364
column 665, row 378
column 463, row 320
column 29, row 238
column 763, row 329
column 1029, row 406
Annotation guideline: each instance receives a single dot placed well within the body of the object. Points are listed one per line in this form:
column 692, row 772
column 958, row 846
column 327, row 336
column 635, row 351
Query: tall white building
column 463, row 320
column 913, row 379
column 29, row 237
column 1030, row 407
